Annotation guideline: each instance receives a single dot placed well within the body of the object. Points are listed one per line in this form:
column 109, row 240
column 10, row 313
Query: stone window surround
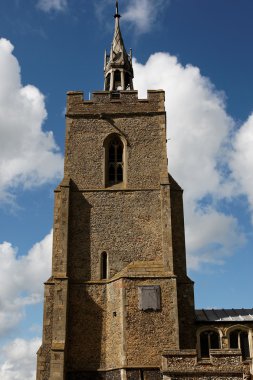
column 207, row 329
column 106, row 158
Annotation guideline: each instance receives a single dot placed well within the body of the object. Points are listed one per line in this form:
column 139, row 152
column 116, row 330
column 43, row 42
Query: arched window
column 208, row 340
column 239, row 339
column 114, row 158
column 104, row 266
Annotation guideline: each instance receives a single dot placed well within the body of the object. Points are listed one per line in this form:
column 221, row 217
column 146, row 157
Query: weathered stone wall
column 222, row 364
column 44, row 353
column 149, row 332
column 91, row 375
column 104, row 102
column 186, row 314
column 139, row 223
column 61, row 229
column 85, row 149
column 177, row 227
column 86, row 342
column 125, row 224
column 145, row 138
column 106, row 328
column 115, row 350
column 204, row 377
column 95, row 326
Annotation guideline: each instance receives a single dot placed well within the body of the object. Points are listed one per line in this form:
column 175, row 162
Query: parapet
column 107, row 102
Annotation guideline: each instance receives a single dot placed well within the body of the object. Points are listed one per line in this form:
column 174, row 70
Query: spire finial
column 117, row 10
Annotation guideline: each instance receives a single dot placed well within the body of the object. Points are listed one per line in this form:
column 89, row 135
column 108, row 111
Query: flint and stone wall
column 97, row 329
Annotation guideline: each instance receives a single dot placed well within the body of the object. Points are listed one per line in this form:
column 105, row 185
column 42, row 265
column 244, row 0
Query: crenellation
column 103, row 102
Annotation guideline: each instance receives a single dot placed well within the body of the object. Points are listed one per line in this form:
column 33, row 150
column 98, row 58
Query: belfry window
column 127, row 81
column 117, row 80
column 107, row 82
column 104, row 265
column 239, row 339
column 208, row 340
column 114, row 161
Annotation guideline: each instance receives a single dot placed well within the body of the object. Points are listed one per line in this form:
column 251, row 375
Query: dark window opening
column 115, row 161
column 127, row 81
column 244, row 343
column 204, row 347
column 234, row 339
column 208, row 340
column 117, row 80
column 239, row 339
column 103, row 266
column 142, row 377
column 107, row 82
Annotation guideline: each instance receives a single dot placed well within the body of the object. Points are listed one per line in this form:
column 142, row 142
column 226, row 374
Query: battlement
column 108, row 102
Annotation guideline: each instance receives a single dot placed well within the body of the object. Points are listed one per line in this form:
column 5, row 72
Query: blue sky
column 200, row 52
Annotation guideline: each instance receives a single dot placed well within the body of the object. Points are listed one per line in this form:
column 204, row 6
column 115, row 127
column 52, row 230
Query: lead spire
column 118, row 68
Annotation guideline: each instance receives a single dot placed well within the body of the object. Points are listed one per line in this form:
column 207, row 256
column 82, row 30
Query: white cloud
column 241, row 159
column 211, row 237
column 18, row 359
column 142, row 14
column 199, row 132
column 52, row 5
column 29, row 156
column 21, row 280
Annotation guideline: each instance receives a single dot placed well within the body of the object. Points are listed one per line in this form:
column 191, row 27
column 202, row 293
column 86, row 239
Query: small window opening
column 103, row 266
column 127, row 81
column 115, row 161
column 234, row 339
column 107, row 82
column 208, row 340
column 239, row 339
column 117, row 80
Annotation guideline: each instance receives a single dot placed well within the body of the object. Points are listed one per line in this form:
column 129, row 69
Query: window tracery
column 114, row 161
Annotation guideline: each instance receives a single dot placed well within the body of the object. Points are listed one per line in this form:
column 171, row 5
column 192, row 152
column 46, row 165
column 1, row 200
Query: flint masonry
column 119, row 304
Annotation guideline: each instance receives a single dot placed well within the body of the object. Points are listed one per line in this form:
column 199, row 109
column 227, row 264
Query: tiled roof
column 224, row 315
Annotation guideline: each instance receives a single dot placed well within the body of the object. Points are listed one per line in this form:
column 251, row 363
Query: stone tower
column 119, row 295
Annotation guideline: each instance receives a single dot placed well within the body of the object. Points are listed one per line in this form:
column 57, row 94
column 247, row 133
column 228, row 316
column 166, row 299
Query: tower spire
column 118, row 69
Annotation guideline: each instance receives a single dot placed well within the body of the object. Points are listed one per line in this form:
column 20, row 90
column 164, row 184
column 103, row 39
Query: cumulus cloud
column 17, row 359
column 241, row 159
column 52, row 5
column 211, row 237
column 29, row 156
column 21, row 280
column 142, row 14
column 199, row 132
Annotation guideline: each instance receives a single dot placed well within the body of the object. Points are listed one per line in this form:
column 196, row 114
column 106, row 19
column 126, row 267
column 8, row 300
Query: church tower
column 119, row 295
